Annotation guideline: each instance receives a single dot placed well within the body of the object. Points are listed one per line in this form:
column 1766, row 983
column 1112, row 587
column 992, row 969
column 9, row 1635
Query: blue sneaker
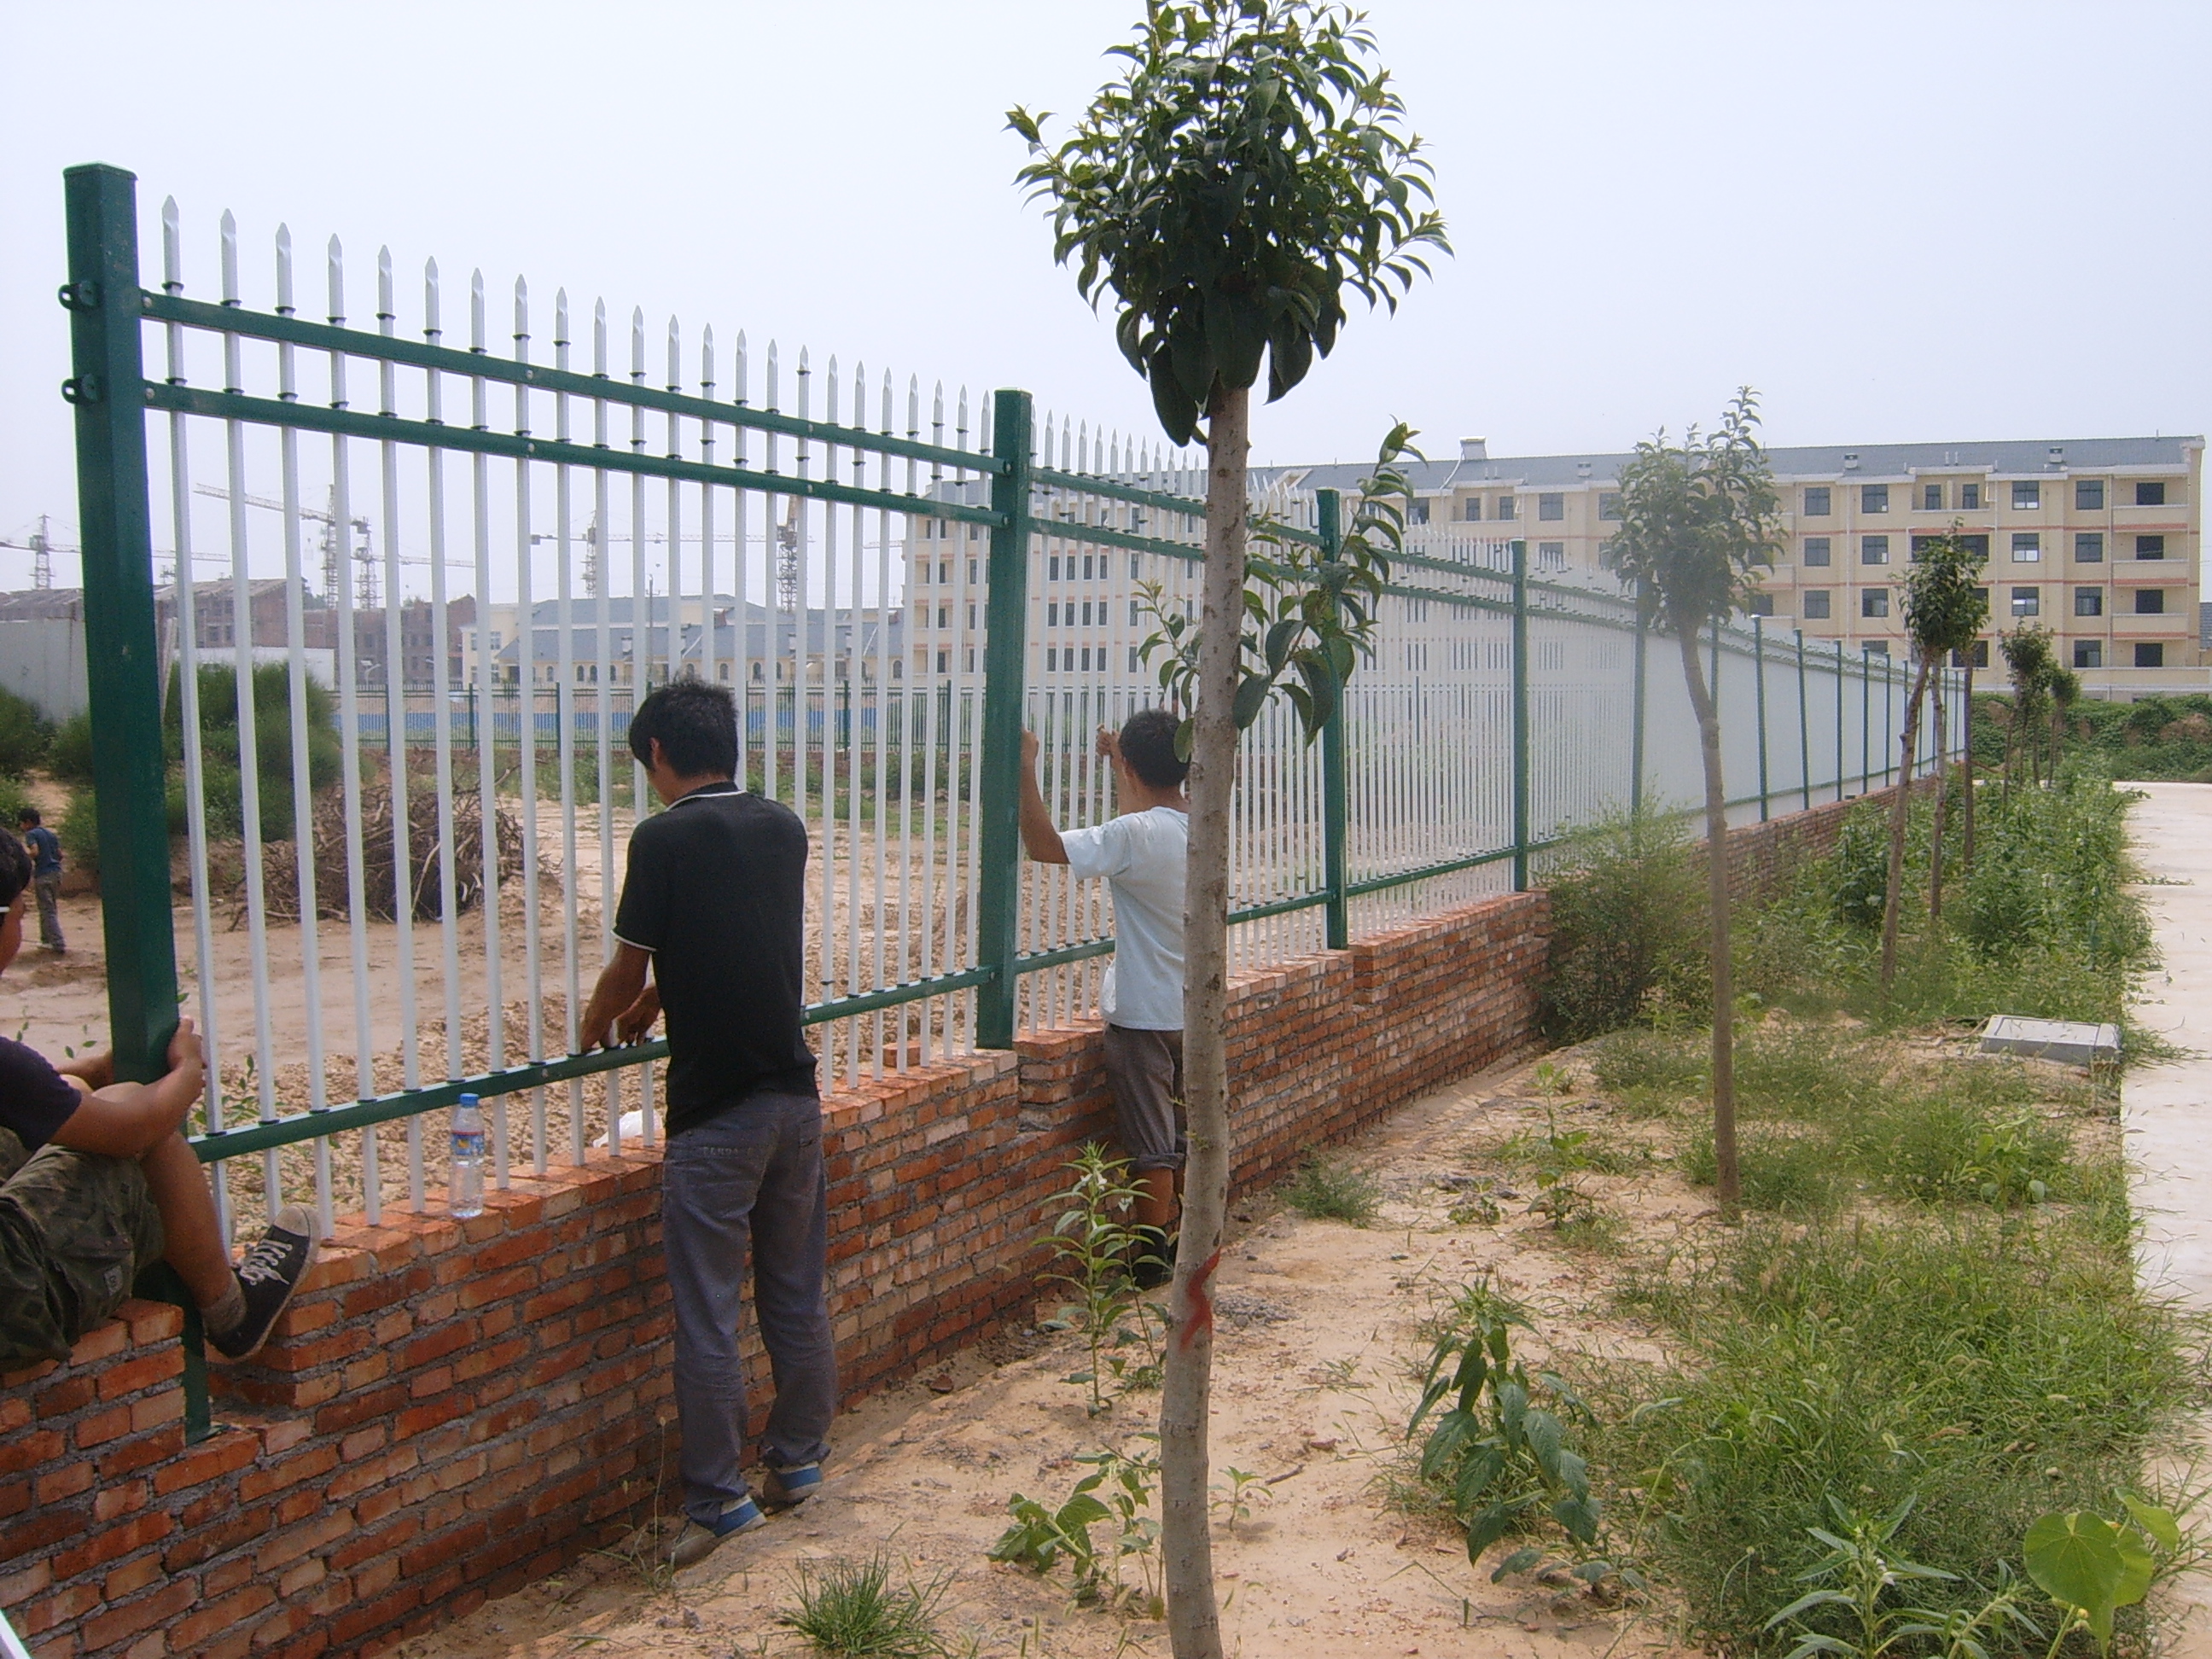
column 696, row 1542
column 788, row 1488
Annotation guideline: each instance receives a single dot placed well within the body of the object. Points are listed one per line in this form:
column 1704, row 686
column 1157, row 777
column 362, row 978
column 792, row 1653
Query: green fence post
column 1866, row 719
column 998, row 768
column 1328, row 515
column 1520, row 716
column 1759, row 652
column 1804, row 726
column 1840, row 719
column 123, row 665
column 1636, row 727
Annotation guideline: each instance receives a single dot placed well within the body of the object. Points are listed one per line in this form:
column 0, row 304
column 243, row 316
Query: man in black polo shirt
column 715, row 902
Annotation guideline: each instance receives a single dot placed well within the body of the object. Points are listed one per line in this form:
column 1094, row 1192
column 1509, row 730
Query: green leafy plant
column 1333, row 1189
column 1117, row 1492
column 1862, row 1568
column 26, row 735
column 1235, row 1504
column 852, row 1610
column 1627, row 929
column 2092, row 1567
column 1094, row 1244
column 1499, row 1457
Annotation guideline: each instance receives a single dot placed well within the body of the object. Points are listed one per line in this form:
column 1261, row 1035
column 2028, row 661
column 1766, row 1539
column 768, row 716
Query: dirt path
column 1319, row 1322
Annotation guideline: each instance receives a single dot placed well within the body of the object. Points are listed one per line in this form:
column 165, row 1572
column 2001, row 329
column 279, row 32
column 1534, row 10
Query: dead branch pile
column 280, row 877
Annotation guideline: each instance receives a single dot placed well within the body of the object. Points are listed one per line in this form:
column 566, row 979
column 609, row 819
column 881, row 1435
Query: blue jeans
column 749, row 1183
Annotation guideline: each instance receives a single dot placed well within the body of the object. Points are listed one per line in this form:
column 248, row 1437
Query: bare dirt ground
column 1320, row 1324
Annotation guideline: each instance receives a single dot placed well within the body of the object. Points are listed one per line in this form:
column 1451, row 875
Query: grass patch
column 852, row 1608
column 1782, row 1174
column 1333, row 1189
column 1665, row 1063
column 1991, row 1368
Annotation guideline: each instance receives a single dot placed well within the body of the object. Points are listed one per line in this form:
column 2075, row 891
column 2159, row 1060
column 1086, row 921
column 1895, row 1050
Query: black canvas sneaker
column 270, row 1272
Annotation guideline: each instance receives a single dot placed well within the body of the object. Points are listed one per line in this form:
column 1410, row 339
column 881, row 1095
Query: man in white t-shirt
column 1141, row 855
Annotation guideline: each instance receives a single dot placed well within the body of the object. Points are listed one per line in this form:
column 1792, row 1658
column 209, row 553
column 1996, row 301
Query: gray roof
column 2015, row 457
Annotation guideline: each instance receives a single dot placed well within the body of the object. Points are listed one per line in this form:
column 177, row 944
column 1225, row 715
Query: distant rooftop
column 2014, row 458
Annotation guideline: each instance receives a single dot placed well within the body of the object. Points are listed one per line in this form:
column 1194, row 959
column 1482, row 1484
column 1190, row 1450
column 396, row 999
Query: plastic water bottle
column 466, row 1191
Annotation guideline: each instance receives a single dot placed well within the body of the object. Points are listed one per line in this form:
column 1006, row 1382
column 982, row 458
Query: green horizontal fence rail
column 1024, row 500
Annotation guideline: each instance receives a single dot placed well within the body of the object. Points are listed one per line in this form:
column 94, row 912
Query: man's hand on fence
column 1107, row 743
column 637, row 1020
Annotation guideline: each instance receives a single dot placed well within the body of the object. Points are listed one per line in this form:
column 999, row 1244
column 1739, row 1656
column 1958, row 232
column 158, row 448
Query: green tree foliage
column 1699, row 523
column 2030, row 665
column 1248, row 164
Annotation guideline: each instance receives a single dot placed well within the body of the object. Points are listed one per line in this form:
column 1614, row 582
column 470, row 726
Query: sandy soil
column 1320, row 1323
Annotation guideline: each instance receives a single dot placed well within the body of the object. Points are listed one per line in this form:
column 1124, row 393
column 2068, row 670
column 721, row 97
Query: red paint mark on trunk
column 1201, row 1302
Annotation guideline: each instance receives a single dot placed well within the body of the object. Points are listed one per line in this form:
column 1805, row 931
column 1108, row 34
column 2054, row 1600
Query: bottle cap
column 468, row 1100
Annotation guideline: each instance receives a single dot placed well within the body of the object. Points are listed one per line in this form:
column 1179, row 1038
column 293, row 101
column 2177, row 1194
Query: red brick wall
column 450, row 1409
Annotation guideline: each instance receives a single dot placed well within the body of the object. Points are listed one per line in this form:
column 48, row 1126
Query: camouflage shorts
column 74, row 1229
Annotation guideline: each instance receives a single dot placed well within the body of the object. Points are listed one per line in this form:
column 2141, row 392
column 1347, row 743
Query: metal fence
column 353, row 969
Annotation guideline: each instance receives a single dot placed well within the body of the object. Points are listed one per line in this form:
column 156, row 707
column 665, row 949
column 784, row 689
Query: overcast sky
column 1925, row 221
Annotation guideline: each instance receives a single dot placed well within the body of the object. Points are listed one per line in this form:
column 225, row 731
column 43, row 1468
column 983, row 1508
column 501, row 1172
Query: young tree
column 1698, row 524
column 1944, row 609
column 2028, row 665
column 1248, row 164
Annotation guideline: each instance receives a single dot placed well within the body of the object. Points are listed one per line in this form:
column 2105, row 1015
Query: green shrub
column 79, row 830
column 1333, row 1189
column 26, row 735
column 1628, row 929
column 69, row 757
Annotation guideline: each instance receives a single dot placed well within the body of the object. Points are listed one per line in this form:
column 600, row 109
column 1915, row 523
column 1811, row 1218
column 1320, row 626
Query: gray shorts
column 1145, row 1070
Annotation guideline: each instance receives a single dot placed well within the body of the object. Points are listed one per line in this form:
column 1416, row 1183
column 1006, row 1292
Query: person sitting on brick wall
column 714, row 902
column 99, row 1183
column 1141, row 854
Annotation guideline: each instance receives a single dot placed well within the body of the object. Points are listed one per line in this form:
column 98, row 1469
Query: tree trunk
column 1187, row 1540
column 1900, row 813
column 1942, row 800
column 1727, row 1184
column 1966, row 770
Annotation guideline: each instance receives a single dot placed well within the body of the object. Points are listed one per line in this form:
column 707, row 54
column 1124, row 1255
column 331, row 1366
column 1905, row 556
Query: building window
column 2089, row 547
column 2150, row 492
column 2088, row 653
column 1760, row 604
column 1507, row 509
column 1873, row 549
column 1473, row 509
column 1813, row 604
column 944, row 570
column 2088, row 601
column 1551, row 505
column 1051, row 659
column 1134, row 618
column 1874, row 602
column 1051, row 617
column 2150, row 602
column 2088, row 494
column 2027, row 495
column 944, row 662
column 1816, row 501
column 1133, row 660
column 1551, row 555
column 1969, row 500
column 1608, row 505
column 1816, row 551
column 1086, row 659
column 1979, row 657
column 1052, row 568
column 2027, row 547
column 1420, row 513
column 1873, row 498
column 2150, row 655
column 1931, row 498
column 1875, row 647
column 2150, row 547
column 2027, row 602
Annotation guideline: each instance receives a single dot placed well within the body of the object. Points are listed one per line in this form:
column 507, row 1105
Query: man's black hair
column 697, row 725
column 1148, row 743
column 29, row 815
column 14, row 869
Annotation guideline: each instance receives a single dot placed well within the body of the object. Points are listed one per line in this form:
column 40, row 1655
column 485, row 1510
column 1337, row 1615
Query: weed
column 1664, row 1062
column 1333, row 1189
column 1094, row 1244
column 1570, row 1151
column 1500, row 1457
column 851, row 1608
column 1118, row 1491
column 1235, row 1504
column 1784, row 1173
column 1552, row 1080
